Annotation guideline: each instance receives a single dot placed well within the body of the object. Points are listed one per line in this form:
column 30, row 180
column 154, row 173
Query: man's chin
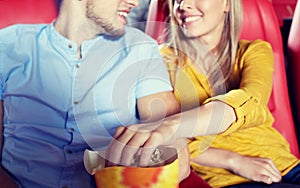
column 116, row 32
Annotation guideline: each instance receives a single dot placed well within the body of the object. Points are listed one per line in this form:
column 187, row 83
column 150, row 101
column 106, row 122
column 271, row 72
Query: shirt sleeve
column 154, row 77
column 255, row 66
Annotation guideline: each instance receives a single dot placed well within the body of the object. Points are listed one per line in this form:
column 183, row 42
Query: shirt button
column 77, row 66
column 75, row 102
column 68, row 151
column 71, row 129
column 70, row 46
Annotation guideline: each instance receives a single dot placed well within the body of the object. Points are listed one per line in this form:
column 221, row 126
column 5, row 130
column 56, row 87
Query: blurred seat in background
column 27, row 11
column 293, row 65
column 158, row 16
column 284, row 9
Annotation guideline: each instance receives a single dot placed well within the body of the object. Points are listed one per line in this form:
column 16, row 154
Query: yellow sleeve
column 254, row 65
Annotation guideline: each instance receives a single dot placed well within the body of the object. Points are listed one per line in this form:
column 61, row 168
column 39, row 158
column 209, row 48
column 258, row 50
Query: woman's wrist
column 233, row 161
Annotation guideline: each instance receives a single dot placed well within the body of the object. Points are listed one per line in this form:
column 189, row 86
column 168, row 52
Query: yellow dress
column 252, row 134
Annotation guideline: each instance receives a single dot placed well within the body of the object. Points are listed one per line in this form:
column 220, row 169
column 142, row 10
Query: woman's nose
column 185, row 4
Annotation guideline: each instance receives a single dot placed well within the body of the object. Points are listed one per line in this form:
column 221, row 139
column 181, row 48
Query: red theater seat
column 27, row 11
column 194, row 181
column 293, row 64
column 259, row 22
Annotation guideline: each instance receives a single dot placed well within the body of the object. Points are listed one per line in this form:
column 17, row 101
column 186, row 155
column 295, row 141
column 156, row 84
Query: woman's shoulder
column 250, row 48
column 250, row 44
column 254, row 51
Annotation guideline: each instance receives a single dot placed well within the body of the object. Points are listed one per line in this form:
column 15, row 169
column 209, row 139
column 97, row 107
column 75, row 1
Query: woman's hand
column 142, row 140
column 256, row 169
column 253, row 168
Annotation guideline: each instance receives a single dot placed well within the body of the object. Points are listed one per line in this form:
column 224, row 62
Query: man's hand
column 140, row 139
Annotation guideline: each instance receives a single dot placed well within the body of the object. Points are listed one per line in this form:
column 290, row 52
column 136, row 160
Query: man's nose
column 133, row 3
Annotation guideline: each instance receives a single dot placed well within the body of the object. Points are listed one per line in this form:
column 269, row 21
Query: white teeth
column 192, row 18
column 125, row 14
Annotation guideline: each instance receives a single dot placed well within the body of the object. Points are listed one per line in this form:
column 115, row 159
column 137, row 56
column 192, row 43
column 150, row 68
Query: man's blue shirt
column 56, row 105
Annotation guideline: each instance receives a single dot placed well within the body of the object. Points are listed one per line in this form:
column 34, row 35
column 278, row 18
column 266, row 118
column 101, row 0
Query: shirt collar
column 67, row 46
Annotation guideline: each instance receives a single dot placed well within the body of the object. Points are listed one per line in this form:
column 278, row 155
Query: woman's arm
column 249, row 101
column 253, row 168
column 164, row 106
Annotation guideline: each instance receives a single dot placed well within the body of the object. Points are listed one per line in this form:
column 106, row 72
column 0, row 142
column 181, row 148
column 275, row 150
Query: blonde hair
column 217, row 67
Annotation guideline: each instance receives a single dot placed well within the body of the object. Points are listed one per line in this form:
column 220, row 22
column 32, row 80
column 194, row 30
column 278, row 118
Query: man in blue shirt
column 67, row 86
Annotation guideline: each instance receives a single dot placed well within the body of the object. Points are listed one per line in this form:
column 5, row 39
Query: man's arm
column 5, row 179
column 157, row 106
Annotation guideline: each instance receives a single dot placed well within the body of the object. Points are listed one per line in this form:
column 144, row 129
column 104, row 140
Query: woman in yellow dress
column 223, row 85
column 237, row 73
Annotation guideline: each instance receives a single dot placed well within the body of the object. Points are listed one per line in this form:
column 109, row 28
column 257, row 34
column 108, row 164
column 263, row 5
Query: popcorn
column 155, row 160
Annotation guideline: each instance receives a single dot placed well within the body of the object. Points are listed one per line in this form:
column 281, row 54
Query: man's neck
column 73, row 23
